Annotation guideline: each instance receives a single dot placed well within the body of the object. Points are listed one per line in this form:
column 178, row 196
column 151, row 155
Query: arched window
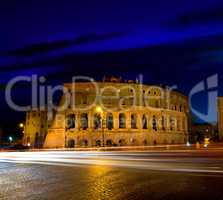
column 109, row 143
column 84, row 121
column 163, row 123
column 144, row 122
column 70, row 121
column 154, row 123
column 172, row 123
column 133, row 121
column 98, row 143
column 122, row 120
column 97, row 121
column 71, row 143
column 109, row 121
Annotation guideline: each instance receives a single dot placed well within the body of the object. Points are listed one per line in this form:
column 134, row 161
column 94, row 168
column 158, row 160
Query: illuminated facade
column 119, row 113
column 36, row 127
column 220, row 117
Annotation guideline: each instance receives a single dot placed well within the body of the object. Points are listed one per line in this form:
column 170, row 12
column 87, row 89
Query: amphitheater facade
column 118, row 113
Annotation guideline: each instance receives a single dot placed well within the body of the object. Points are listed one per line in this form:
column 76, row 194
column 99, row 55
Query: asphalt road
column 97, row 175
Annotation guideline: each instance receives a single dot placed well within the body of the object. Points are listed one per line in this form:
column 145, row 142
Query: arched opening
column 71, row 143
column 122, row 120
column 163, row 123
column 97, row 121
column 121, row 142
column 84, row 143
column 109, row 121
column 84, row 121
column 172, row 123
column 145, row 143
column 70, row 121
column 109, row 143
column 144, row 122
column 154, row 142
column 154, row 123
column 134, row 142
column 98, row 143
column 133, row 121
column 37, row 140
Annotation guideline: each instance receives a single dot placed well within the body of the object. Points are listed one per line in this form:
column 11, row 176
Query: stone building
column 118, row 113
column 200, row 131
column 220, row 117
column 35, row 129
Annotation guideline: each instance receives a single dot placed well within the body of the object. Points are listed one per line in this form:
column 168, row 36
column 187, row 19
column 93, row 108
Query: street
column 166, row 174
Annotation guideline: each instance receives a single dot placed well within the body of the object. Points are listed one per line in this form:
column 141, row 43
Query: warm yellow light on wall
column 99, row 109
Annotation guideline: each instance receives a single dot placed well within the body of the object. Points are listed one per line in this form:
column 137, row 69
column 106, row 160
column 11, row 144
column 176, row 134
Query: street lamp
column 21, row 125
column 99, row 110
column 10, row 139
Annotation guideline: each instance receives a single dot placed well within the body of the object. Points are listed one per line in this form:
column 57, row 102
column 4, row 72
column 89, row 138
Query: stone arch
column 122, row 142
column 133, row 121
column 144, row 121
column 70, row 121
column 109, row 143
column 154, row 142
column 163, row 122
column 172, row 123
column 98, row 143
column 145, row 142
column 154, row 123
column 97, row 121
column 71, row 143
column 134, row 142
column 109, row 121
column 122, row 120
column 84, row 121
column 84, row 143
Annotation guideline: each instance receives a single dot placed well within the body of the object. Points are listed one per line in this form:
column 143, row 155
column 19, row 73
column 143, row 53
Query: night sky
column 168, row 42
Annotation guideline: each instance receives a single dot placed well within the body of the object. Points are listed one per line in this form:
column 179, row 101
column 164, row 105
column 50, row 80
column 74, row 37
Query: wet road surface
column 111, row 175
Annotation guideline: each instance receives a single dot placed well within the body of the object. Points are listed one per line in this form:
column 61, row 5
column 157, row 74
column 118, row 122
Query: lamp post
column 99, row 110
column 10, row 140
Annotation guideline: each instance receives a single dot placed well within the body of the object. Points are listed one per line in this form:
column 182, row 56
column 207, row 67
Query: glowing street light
column 21, row 125
column 99, row 109
column 10, row 139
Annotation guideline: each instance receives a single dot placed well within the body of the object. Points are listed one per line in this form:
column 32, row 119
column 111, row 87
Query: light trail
column 159, row 161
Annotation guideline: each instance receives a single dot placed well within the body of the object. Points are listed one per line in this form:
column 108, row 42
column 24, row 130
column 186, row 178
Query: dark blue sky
column 169, row 42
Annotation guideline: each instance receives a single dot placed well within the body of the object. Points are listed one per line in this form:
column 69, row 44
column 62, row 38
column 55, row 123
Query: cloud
column 198, row 17
column 45, row 47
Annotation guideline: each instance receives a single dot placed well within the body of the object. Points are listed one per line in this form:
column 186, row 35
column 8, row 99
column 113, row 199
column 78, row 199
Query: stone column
column 115, row 120
column 128, row 120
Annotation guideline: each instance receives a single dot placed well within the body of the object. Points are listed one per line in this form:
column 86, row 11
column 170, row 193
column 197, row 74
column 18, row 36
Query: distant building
column 203, row 130
column 36, row 127
column 220, row 117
